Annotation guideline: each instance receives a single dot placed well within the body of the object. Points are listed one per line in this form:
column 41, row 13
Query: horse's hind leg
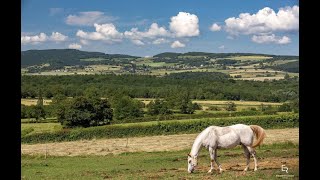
column 253, row 153
column 247, row 154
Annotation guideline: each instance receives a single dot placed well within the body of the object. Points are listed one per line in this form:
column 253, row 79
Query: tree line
column 199, row 85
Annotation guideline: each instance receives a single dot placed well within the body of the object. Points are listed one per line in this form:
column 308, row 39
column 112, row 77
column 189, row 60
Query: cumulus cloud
column 89, row 18
column 160, row 41
column 265, row 20
column 105, row 32
column 74, row 46
column 177, row 44
column 215, row 27
column 56, row 36
column 42, row 37
column 153, row 32
column 185, row 25
column 34, row 39
column 270, row 39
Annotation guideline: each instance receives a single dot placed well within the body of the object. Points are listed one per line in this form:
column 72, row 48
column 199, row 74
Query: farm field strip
column 138, row 144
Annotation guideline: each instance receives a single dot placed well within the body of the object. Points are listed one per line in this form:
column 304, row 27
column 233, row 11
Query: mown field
column 163, row 165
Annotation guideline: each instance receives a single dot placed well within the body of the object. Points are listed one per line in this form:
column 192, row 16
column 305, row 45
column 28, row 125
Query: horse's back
column 245, row 133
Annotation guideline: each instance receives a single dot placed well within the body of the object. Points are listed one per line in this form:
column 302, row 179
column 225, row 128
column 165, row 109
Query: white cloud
column 153, row 32
column 177, row 44
column 137, row 42
column 160, row 41
column 89, row 18
column 74, row 46
column 215, row 27
column 185, row 25
column 42, row 37
column 105, row 32
column 265, row 20
column 270, row 39
column 56, row 36
column 34, row 39
column 221, row 47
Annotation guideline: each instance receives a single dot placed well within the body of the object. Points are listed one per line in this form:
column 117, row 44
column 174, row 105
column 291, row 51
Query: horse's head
column 192, row 163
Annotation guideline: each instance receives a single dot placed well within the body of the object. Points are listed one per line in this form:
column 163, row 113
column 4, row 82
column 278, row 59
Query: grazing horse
column 215, row 137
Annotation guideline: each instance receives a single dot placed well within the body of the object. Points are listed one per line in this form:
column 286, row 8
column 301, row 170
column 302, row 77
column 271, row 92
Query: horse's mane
column 259, row 133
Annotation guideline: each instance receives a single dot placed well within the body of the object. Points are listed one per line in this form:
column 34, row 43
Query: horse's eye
column 190, row 161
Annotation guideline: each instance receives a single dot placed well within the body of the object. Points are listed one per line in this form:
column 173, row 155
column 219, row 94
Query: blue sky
column 149, row 27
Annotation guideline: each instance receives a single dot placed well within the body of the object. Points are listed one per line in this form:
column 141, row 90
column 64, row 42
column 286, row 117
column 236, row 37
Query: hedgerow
column 161, row 128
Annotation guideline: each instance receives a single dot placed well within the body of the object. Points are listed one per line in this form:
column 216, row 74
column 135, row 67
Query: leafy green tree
column 158, row 107
column 23, row 111
column 40, row 100
column 84, row 112
column 37, row 112
column 127, row 107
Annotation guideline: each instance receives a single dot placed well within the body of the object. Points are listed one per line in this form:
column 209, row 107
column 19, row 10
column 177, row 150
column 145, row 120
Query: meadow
column 163, row 165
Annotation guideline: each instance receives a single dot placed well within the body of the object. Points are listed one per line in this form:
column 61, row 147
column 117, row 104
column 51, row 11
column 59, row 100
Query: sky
column 149, row 27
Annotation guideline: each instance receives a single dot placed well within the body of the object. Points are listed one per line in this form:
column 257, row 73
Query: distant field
column 93, row 59
column 246, row 103
column 40, row 127
column 243, row 58
column 29, row 102
column 105, row 67
column 261, row 78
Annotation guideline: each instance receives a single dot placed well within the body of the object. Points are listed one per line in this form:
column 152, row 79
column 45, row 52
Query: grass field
column 244, row 58
column 40, row 127
column 29, row 102
column 139, row 144
column 163, row 165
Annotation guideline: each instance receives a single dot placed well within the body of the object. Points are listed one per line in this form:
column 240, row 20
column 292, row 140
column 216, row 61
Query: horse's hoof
column 255, row 169
column 221, row 171
column 210, row 171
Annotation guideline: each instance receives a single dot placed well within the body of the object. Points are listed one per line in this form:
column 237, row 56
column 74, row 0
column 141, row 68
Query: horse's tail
column 259, row 133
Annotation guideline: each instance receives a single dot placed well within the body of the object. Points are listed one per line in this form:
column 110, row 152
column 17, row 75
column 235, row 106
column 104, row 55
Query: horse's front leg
column 212, row 155
column 216, row 160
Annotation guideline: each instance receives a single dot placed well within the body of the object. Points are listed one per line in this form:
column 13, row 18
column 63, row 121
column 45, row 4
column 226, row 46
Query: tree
column 84, row 112
column 127, row 107
column 23, row 111
column 158, row 107
column 231, row 106
column 37, row 112
column 40, row 99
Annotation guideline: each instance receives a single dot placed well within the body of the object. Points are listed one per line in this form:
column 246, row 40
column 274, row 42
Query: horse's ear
column 189, row 155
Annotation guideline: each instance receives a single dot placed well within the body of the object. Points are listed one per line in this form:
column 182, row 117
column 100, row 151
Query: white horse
column 215, row 137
